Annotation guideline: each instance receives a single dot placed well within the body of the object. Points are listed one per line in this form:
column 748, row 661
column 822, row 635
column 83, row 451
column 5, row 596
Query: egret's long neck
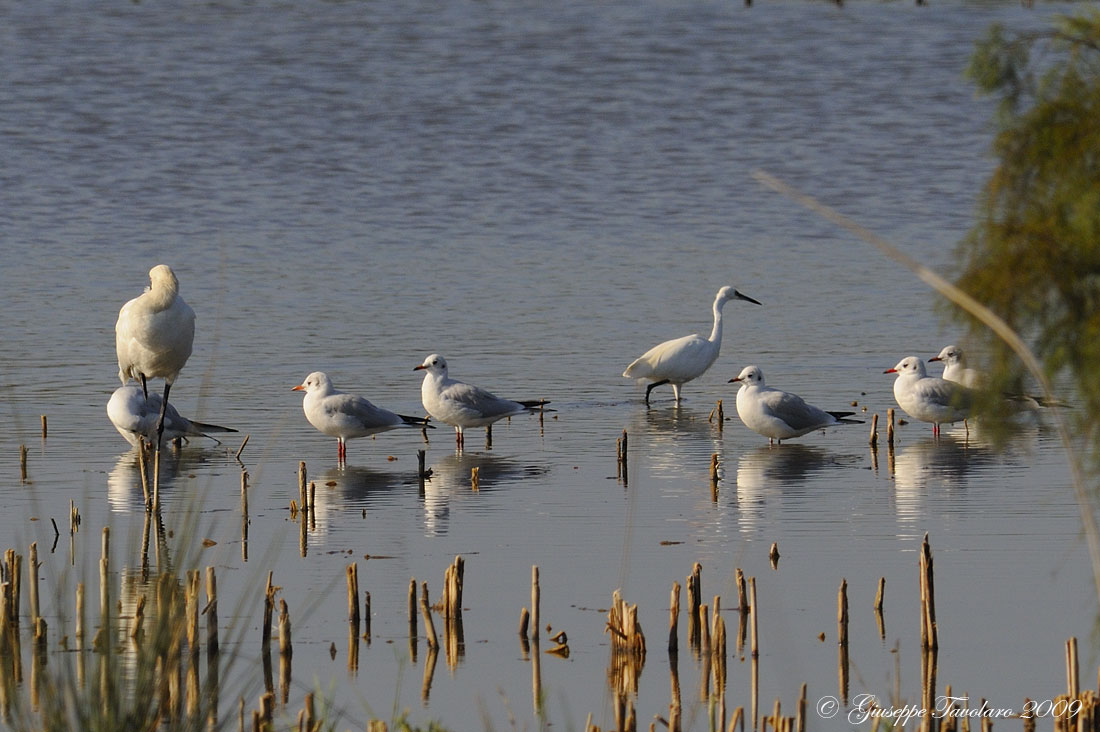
column 716, row 331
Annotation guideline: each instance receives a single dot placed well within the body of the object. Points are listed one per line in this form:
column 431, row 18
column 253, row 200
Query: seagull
column 779, row 415
column 134, row 415
column 153, row 335
column 680, row 360
column 929, row 398
column 346, row 416
column 954, row 368
column 464, row 405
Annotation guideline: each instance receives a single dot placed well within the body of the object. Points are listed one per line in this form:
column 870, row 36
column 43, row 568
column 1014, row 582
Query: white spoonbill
column 346, row 416
column 929, row 398
column 680, row 360
column 464, row 405
column 135, row 415
column 779, row 415
column 153, row 335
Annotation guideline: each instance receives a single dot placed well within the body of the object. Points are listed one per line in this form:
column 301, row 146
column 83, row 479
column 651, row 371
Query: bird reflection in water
column 780, row 472
column 124, row 492
column 450, row 481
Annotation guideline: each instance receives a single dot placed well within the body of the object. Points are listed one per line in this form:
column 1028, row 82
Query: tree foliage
column 1033, row 255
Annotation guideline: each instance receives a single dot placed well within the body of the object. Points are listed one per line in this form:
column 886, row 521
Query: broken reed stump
column 302, row 485
column 929, row 634
column 842, row 613
column 694, row 584
column 878, row 607
column 412, row 607
column 524, row 621
column 32, row 575
column 285, row 648
column 269, row 608
column 873, row 440
column 475, row 482
column 426, row 611
column 535, row 597
column 23, row 463
column 353, row 597
column 44, row 430
column 452, row 589
column 674, row 619
column 773, row 555
column 890, row 427
column 714, row 468
column 211, row 612
column 366, row 617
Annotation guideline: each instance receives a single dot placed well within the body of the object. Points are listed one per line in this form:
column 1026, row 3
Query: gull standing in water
column 680, row 360
column 134, row 415
column 346, row 416
column 154, row 334
column 463, row 405
column 955, row 369
column 929, row 398
column 779, row 415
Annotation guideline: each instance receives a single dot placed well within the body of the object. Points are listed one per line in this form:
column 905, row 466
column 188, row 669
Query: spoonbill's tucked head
column 162, row 276
column 751, row 375
column 433, row 364
column 910, row 365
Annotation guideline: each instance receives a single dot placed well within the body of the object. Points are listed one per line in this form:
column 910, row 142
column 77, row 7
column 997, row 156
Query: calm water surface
column 540, row 193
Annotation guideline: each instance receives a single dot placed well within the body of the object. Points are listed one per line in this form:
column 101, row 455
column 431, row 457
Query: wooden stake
column 873, row 441
column 285, row 648
column 524, row 620
column 353, row 596
column 426, row 612
column 753, row 607
column 842, row 613
column 32, row 575
column 535, row 595
column 302, row 485
column 1072, row 672
column 211, row 611
column 674, row 619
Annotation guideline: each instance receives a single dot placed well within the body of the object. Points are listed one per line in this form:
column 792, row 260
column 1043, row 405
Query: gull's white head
column 433, row 364
column 909, row 366
column 318, row 381
column 750, row 376
column 162, row 277
column 730, row 293
column 950, row 355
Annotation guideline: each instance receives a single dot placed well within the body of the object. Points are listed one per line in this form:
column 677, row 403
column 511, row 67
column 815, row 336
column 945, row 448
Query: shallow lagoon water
column 540, row 194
